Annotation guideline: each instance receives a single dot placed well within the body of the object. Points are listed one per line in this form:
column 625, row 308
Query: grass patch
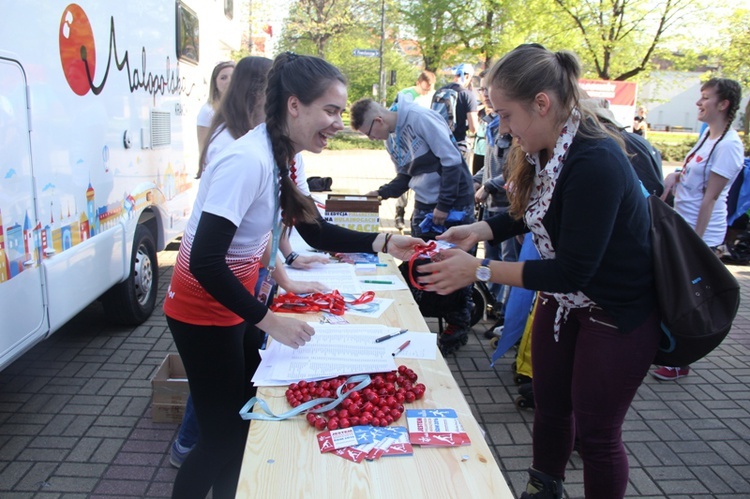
column 671, row 137
column 673, row 146
column 344, row 141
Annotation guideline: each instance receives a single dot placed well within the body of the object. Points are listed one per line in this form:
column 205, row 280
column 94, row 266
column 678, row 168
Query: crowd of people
column 554, row 164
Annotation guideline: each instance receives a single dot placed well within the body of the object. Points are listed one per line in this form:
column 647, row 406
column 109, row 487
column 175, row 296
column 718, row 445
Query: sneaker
column 496, row 329
column 670, row 373
column 452, row 338
column 400, row 223
column 178, row 453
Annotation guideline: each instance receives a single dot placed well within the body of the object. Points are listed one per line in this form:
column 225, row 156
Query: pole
column 381, row 87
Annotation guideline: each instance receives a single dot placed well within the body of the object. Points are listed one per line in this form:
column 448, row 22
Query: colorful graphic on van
column 78, row 58
column 21, row 243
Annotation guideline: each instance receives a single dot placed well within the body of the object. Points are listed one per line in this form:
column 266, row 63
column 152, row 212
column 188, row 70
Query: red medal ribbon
column 331, row 302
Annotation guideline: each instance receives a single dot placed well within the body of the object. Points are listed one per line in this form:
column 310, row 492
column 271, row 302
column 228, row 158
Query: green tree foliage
column 363, row 72
column 620, row 36
column 494, row 27
column 434, row 23
column 734, row 62
column 314, row 23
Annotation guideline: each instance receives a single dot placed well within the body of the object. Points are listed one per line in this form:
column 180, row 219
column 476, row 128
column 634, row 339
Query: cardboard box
column 354, row 212
column 170, row 391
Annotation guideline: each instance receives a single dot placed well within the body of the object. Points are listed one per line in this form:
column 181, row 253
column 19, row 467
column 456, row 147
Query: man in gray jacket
column 427, row 160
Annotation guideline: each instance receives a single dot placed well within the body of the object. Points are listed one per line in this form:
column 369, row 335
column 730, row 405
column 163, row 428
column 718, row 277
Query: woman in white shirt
column 701, row 187
column 246, row 193
column 220, row 78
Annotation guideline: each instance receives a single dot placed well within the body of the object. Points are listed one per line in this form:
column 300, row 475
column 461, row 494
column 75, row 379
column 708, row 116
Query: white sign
column 366, row 52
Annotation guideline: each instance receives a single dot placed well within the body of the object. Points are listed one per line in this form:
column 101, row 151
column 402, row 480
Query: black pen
column 389, row 336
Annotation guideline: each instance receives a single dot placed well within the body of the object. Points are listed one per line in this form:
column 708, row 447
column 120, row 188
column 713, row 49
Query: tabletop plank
column 282, row 459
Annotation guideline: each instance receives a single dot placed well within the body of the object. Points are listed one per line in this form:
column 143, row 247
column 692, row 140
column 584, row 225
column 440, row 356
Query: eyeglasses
column 483, row 90
column 371, row 124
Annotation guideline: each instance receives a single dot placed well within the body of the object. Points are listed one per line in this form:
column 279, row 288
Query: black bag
column 430, row 303
column 698, row 296
column 319, row 184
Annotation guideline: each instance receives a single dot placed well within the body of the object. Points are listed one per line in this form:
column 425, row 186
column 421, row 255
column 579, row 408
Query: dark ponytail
column 725, row 89
column 306, row 78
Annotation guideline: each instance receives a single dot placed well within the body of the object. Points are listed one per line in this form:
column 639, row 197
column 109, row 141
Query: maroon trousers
column 583, row 386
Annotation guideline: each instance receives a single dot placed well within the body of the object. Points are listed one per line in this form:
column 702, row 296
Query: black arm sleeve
column 396, row 187
column 209, row 266
column 329, row 237
column 504, row 226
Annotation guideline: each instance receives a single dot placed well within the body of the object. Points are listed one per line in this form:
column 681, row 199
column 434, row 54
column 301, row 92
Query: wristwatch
column 484, row 272
column 290, row 258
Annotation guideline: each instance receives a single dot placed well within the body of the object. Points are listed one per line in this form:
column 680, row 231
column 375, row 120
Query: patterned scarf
column 539, row 201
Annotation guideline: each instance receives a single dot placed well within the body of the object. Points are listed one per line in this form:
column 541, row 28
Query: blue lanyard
column 361, row 381
column 276, row 233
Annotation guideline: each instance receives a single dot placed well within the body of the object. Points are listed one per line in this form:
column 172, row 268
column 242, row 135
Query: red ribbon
column 331, row 302
column 420, row 250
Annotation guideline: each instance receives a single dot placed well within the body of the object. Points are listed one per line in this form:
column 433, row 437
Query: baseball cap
column 603, row 112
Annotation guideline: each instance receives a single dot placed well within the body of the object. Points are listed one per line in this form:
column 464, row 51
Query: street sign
column 366, row 52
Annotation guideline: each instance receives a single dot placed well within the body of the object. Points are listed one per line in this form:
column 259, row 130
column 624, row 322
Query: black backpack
column 698, row 296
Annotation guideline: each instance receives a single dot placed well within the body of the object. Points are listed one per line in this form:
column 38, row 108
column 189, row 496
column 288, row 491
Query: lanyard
column 276, row 233
column 359, row 381
column 332, row 302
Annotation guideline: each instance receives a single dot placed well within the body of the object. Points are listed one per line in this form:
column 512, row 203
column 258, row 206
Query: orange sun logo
column 77, row 49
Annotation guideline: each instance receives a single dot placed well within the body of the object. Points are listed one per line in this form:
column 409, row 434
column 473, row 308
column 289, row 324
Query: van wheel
column 132, row 301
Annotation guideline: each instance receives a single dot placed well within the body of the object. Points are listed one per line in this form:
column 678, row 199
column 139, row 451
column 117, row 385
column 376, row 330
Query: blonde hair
column 521, row 75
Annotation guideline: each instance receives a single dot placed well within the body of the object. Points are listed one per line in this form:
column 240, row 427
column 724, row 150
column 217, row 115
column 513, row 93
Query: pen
column 389, row 336
column 401, row 348
column 369, row 281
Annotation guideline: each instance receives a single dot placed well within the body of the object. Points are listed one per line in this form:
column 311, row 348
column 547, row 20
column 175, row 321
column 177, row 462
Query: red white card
column 331, row 440
column 435, row 428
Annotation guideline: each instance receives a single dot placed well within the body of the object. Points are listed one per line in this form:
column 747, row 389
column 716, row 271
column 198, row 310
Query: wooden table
column 282, row 459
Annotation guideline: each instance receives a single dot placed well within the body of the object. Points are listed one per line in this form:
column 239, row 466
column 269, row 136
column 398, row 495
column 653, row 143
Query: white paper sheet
column 373, row 309
column 334, row 350
column 338, row 276
column 381, row 282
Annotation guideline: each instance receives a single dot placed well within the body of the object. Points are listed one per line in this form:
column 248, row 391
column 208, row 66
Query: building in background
column 670, row 96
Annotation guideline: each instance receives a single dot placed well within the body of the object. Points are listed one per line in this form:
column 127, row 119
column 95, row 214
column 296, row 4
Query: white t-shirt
column 237, row 184
column 222, row 139
column 219, row 141
column 205, row 115
column 726, row 161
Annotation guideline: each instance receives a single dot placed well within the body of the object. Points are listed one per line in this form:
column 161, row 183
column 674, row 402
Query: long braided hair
column 731, row 91
column 241, row 107
column 306, row 78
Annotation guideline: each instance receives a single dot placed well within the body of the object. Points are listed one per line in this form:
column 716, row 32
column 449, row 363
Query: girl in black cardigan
column 596, row 328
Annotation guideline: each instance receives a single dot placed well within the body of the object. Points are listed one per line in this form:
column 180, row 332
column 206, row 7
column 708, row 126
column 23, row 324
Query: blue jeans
column 506, row 251
column 189, row 431
column 460, row 317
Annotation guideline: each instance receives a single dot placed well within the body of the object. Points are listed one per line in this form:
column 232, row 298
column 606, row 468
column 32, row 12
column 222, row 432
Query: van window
column 187, row 34
column 229, row 9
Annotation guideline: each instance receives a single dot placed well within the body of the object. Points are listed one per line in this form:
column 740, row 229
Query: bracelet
column 291, row 257
column 384, row 249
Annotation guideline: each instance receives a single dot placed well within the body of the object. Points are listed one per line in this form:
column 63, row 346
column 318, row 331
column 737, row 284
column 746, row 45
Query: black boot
column 542, row 486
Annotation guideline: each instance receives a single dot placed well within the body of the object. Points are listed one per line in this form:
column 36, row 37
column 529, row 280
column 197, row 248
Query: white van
column 98, row 152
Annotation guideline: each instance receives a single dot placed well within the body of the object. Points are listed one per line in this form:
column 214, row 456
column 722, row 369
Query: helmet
column 464, row 71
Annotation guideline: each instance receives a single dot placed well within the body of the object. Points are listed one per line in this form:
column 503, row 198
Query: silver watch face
column 483, row 273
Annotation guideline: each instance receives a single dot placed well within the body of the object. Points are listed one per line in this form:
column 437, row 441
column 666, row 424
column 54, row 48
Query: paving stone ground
column 75, row 417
